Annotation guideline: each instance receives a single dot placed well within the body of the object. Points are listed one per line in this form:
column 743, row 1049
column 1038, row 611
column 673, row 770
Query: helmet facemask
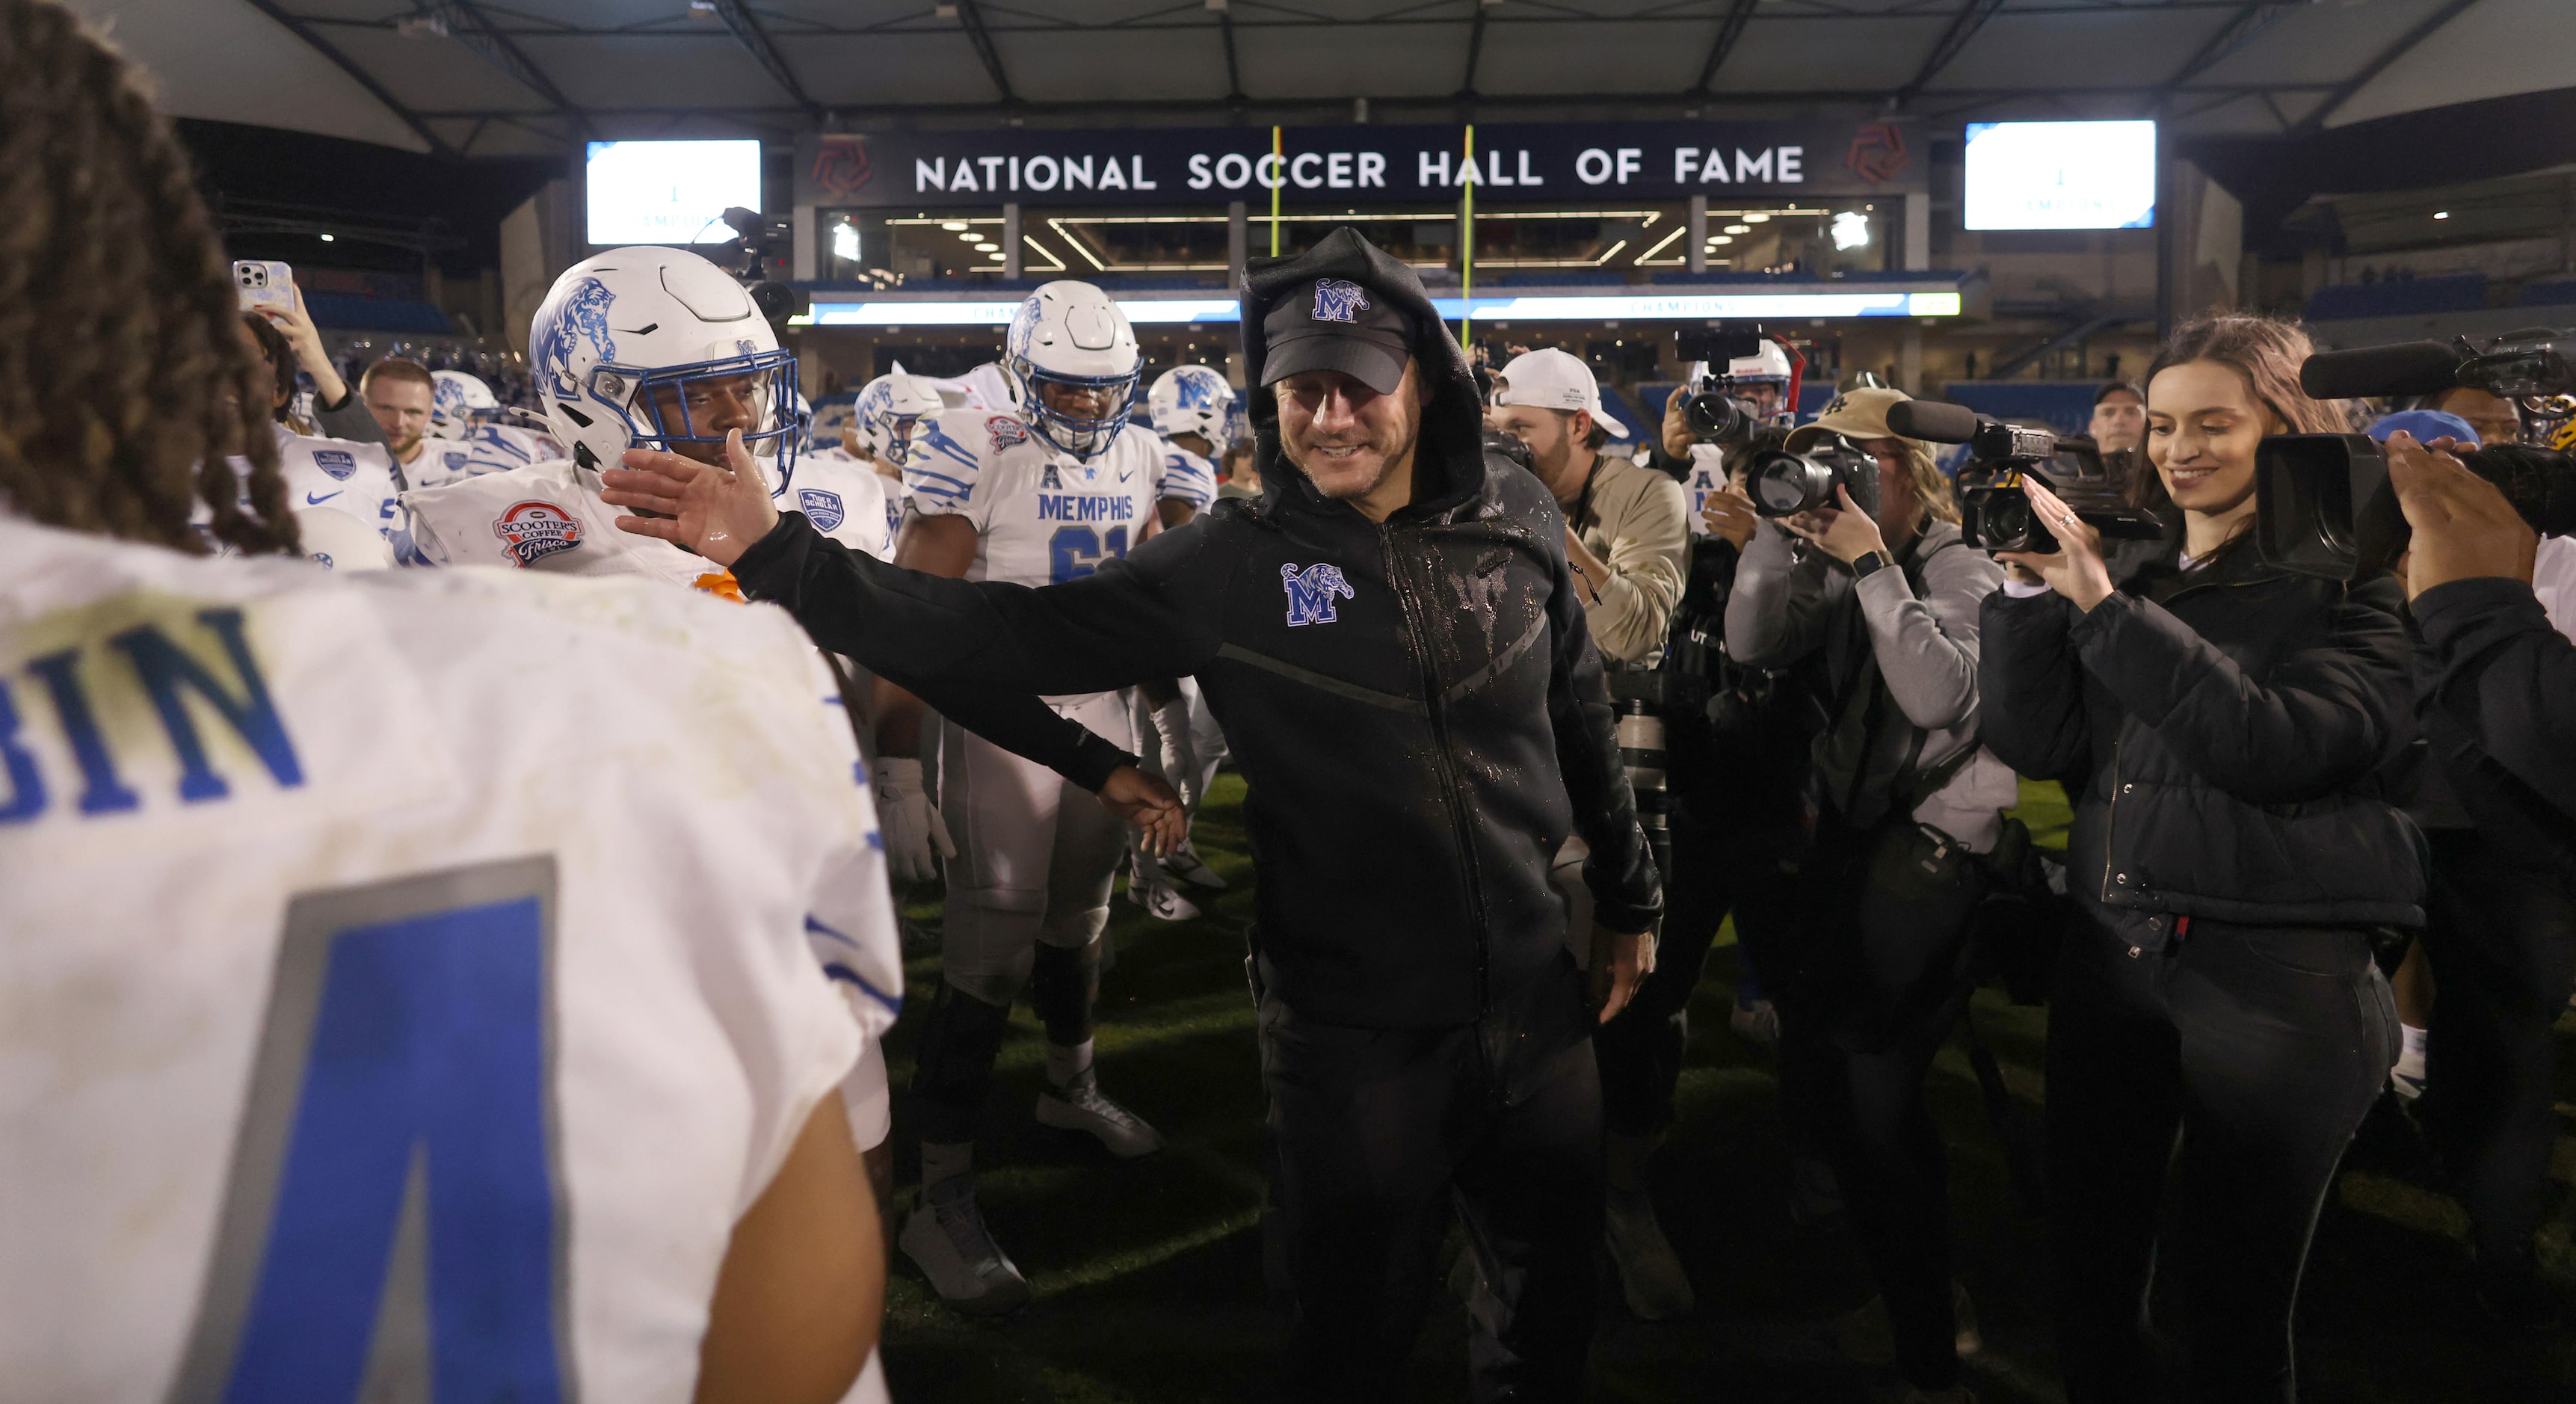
column 1083, row 437
column 656, row 404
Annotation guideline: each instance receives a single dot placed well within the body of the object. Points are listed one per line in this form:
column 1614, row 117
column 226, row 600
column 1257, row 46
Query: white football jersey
column 1186, row 476
column 346, row 476
column 547, row 517
column 1042, row 516
column 1707, row 474
column 330, row 1062
column 489, row 448
column 844, row 499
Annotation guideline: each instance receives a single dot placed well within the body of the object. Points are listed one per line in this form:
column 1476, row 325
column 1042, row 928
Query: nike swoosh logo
column 310, row 500
column 1127, row 475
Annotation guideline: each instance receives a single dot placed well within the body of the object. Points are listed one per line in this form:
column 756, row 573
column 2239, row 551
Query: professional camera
column 1784, row 484
column 756, row 256
column 1994, row 511
column 2323, row 501
column 1721, row 407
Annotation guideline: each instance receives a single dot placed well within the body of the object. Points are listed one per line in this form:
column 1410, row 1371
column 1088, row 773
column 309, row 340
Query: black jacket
column 2225, row 727
column 2493, row 682
column 1420, row 732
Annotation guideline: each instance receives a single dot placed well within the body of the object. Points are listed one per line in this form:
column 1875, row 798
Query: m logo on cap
column 1337, row 300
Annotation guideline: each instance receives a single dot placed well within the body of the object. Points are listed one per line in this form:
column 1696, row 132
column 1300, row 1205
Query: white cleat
column 1161, row 900
column 1184, row 863
column 1081, row 1106
column 947, row 1240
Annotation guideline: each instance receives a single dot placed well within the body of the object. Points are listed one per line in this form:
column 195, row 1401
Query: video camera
column 1717, row 410
column 756, row 256
column 2324, row 506
column 1994, row 511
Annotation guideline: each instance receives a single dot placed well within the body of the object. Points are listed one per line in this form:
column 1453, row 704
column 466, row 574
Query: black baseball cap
column 1334, row 324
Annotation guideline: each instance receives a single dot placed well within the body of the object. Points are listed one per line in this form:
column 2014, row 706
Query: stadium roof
column 522, row 77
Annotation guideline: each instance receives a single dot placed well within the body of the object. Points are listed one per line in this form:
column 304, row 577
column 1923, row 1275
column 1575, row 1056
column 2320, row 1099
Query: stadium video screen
column 2061, row 175
column 669, row 192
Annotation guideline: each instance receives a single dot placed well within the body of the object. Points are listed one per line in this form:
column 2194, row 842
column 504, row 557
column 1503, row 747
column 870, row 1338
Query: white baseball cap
column 1552, row 379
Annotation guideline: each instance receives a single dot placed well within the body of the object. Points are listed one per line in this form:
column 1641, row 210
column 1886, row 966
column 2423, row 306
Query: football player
column 1043, row 492
column 330, row 475
column 490, row 1062
column 1193, row 409
column 879, row 431
column 469, row 434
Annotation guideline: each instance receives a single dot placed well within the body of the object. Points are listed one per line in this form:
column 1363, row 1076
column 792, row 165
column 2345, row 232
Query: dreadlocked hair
column 124, row 380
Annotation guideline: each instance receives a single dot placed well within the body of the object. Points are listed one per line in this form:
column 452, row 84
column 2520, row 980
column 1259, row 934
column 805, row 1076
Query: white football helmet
column 458, row 403
column 1072, row 336
column 1769, row 363
column 1192, row 400
column 631, row 345
column 887, row 409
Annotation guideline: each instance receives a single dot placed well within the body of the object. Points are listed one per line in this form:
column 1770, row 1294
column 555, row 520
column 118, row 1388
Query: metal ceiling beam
column 971, row 15
column 296, row 26
column 1475, row 51
column 1233, row 72
column 2343, row 93
column 746, row 28
column 468, row 25
column 1729, row 34
column 2241, row 29
column 1972, row 17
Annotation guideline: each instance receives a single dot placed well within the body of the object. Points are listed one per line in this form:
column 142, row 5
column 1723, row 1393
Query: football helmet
column 887, row 408
column 458, row 403
column 1072, row 335
column 1192, row 400
column 623, row 340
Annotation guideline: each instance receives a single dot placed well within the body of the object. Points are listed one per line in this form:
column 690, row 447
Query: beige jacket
column 1631, row 517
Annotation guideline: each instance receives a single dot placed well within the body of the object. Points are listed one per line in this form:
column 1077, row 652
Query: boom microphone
column 1932, row 421
column 2407, row 368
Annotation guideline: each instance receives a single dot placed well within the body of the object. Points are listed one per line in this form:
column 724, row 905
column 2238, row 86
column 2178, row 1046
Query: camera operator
column 1624, row 534
column 2221, row 722
column 2491, row 418
column 2501, row 933
column 1903, row 800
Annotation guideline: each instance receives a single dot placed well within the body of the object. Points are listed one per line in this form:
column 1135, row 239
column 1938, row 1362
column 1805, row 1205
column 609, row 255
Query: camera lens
column 1710, row 415
column 1785, row 484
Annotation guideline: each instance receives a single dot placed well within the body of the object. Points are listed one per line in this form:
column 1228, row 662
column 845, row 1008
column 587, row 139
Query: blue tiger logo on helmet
column 1193, row 400
column 582, row 317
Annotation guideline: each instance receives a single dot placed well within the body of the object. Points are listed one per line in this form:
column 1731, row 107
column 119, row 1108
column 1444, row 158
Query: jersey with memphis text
column 1041, row 516
column 447, row 1063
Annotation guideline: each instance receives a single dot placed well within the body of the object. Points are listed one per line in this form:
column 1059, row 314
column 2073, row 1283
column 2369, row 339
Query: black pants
column 1718, row 864
column 1373, row 1134
column 2502, row 940
column 2261, row 1047
column 1880, row 986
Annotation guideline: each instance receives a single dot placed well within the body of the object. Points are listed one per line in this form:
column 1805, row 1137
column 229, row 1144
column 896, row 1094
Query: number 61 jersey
column 409, row 977
column 1043, row 516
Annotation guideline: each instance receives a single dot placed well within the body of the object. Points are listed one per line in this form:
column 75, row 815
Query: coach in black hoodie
column 1391, row 639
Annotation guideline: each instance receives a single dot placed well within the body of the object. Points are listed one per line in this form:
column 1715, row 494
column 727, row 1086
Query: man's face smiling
column 1347, row 437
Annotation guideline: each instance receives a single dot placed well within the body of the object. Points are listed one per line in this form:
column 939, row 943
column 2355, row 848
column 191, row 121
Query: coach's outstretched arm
column 1107, row 630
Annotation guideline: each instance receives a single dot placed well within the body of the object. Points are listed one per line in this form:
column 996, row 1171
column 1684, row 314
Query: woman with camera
column 2219, row 723
column 1903, row 802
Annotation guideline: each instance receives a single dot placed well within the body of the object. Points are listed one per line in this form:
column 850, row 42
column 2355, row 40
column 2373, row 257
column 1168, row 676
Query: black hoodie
column 1415, row 705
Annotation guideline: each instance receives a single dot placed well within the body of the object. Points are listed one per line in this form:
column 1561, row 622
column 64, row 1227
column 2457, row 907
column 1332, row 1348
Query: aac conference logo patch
column 1006, row 431
column 339, row 463
column 821, row 508
column 536, row 530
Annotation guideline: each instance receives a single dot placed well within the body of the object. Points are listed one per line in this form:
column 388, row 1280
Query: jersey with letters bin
column 382, row 1014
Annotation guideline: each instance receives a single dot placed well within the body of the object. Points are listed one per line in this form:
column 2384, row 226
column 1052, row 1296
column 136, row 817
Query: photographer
column 337, row 413
column 2220, row 722
column 2119, row 417
column 1624, row 534
column 1903, row 800
column 2502, row 930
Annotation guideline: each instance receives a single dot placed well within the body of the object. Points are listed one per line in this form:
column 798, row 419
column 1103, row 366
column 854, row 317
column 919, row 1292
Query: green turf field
column 1148, row 1274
